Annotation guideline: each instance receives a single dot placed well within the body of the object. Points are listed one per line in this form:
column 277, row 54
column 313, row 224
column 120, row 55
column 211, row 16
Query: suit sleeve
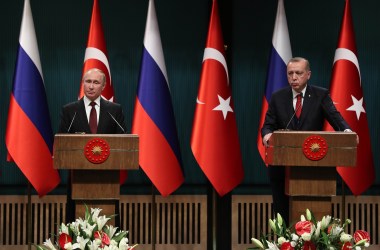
column 64, row 124
column 270, row 122
column 332, row 115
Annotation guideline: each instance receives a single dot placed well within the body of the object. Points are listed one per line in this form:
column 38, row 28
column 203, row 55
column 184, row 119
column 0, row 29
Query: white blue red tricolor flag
column 153, row 118
column 281, row 53
column 29, row 136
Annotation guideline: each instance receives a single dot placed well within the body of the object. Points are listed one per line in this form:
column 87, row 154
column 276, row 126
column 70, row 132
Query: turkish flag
column 215, row 140
column 96, row 53
column 96, row 56
column 346, row 92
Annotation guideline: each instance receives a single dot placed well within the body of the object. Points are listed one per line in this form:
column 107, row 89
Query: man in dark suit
column 75, row 116
column 298, row 107
column 91, row 115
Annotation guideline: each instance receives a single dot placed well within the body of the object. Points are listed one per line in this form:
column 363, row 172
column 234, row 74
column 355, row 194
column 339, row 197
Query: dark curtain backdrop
column 62, row 30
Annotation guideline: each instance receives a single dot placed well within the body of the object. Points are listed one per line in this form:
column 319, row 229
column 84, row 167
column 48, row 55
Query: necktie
column 93, row 119
column 299, row 105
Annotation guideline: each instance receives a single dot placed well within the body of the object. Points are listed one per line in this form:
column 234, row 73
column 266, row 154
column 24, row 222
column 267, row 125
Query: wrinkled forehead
column 95, row 74
column 297, row 66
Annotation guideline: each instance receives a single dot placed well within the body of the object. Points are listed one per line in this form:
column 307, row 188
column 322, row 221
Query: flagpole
column 343, row 201
column 154, row 221
column 214, row 212
column 29, row 216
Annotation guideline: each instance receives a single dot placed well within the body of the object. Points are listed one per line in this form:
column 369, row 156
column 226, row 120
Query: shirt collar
column 88, row 101
column 296, row 93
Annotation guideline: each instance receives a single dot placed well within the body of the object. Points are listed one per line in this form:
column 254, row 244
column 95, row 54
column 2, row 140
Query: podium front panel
column 69, row 151
column 287, row 149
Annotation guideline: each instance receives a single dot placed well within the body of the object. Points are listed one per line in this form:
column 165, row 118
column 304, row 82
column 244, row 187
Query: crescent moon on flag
column 95, row 53
column 346, row 54
column 211, row 53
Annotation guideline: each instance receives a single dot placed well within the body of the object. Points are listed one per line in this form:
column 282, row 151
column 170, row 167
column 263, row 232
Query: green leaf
column 121, row 235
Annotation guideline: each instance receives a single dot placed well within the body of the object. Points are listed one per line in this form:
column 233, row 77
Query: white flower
column 303, row 217
column 81, row 243
column 68, row 246
column 64, row 229
column 255, row 241
column 74, row 226
column 317, row 230
column 279, row 219
column 272, row 225
column 308, row 214
column 114, row 243
column 50, row 245
column 306, row 236
column 325, row 222
column 101, row 221
column 123, row 244
column 112, row 230
column 293, row 243
column 271, row 246
column 345, row 237
column 87, row 227
column 336, row 230
column 95, row 213
column 294, row 237
column 110, row 247
column 93, row 245
column 281, row 240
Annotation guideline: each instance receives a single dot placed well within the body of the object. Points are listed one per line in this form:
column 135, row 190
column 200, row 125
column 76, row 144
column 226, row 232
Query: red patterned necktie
column 93, row 119
column 299, row 105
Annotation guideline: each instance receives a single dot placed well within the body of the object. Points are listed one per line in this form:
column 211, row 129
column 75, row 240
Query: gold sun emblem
column 314, row 147
column 97, row 150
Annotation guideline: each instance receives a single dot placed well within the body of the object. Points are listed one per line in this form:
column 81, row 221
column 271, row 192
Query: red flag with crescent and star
column 215, row 140
column 96, row 56
column 347, row 94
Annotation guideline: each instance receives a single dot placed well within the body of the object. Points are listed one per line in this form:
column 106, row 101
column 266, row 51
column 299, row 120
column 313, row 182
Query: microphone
column 113, row 118
column 71, row 123
column 295, row 111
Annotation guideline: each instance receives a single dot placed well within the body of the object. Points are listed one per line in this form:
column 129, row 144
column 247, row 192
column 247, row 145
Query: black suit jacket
column 317, row 107
column 75, row 113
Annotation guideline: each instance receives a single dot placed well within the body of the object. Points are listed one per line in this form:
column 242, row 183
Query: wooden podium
column 96, row 161
column 310, row 158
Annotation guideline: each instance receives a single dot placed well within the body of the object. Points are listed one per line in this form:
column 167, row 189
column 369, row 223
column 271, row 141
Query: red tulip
column 286, row 246
column 104, row 237
column 63, row 239
column 347, row 246
column 361, row 235
column 309, row 246
column 303, row 227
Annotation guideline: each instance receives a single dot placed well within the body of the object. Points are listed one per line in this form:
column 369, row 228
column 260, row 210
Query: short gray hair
column 96, row 70
column 300, row 59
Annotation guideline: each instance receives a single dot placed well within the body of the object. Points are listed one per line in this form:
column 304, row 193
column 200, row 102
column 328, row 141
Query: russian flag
column 153, row 119
column 281, row 53
column 29, row 136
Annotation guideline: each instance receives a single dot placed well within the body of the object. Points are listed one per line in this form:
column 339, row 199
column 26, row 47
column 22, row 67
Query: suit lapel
column 102, row 116
column 83, row 117
column 289, row 108
column 306, row 106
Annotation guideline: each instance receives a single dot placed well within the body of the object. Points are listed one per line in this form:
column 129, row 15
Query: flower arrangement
column 309, row 234
column 90, row 233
